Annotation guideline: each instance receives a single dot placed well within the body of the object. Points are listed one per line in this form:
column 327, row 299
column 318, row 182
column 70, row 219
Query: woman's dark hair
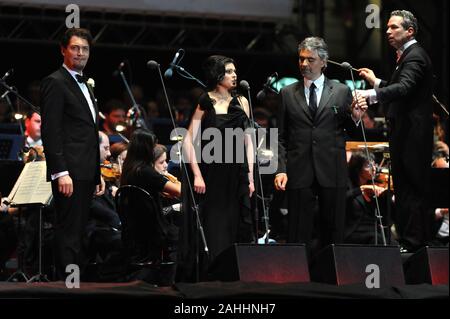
column 77, row 32
column 214, row 69
column 356, row 164
column 158, row 150
column 139, row 154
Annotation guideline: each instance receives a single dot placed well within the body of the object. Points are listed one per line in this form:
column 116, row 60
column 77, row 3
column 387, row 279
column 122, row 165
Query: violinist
column 103, row 209
column 160, row 164
column 139, row 170
column 33, row 150
column 33, row 129
column 360, row 205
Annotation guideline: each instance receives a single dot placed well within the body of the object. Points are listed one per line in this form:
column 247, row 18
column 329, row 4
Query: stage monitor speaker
column 274, row 263
column 428, row 265
column 352, row 264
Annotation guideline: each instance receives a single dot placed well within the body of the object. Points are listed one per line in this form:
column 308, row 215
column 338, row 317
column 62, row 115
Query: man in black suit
column 71, row 146
column 408, row 96
column 311, row 121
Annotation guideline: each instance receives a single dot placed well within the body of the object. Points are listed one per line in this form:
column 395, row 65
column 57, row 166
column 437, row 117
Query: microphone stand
column 435, row 99
column 253, row 138
column 378, row 217
column 10, row 89
column 185, row 74
column 138, row 121
column 154, row 64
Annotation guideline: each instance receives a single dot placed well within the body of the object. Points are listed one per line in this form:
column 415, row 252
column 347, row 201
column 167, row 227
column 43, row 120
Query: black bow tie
column 81, row 78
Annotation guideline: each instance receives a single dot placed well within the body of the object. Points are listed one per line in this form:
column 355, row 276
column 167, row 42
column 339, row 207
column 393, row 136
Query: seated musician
column 361, row 205
column 170, row 204
column 440, row 230
column 33, row 142
column 138, row 169
column 103, row 208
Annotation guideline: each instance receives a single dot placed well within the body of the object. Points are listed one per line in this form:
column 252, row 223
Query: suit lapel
column 301, row 99
column 400, row 61
column 75, row 89
column 94, row 102
column 327, row 92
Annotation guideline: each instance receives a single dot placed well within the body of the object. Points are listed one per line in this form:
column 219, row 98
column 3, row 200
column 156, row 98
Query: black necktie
column 81, row 78
column 312, row 100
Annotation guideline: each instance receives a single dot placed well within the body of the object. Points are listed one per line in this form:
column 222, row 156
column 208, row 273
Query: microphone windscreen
column 168, row 73
column 346, row 65
column 244, row 85
column 261, row 95
column 152, row 64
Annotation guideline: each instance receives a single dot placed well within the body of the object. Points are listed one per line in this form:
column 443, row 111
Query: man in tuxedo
column 408, row 97
column 71, row 145
column 311, row 121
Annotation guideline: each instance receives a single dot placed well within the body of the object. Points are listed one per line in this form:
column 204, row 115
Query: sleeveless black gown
column 225, row 208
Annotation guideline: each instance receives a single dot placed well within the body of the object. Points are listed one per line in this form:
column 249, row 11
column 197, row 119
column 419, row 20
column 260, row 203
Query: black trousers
column 71, row 218
column 411, row 172
column 328, row 203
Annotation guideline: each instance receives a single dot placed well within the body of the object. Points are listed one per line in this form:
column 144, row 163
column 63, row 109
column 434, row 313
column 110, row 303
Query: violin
column 34, row 153
column 382, row 180
column 172, row 179
column 110, row 171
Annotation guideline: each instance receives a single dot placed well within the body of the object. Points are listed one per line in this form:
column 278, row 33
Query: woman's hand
column 251, row 188
column 369, row 191
column 199, row 184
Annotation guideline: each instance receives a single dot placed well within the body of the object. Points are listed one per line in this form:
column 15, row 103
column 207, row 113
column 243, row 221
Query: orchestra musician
column 360, row 205
column 138, row 170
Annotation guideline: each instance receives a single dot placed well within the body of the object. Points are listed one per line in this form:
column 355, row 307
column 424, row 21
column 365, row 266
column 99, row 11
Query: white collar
column 72, row 72
column 317, row 82
column 407, row 45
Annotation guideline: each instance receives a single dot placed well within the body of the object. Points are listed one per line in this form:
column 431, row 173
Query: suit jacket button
column 314, row 142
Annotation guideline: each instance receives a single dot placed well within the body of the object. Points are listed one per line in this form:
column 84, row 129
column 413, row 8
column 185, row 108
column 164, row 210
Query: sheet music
column 31, row 186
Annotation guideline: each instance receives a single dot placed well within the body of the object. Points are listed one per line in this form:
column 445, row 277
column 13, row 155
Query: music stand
column 19, row 273
column 39, row 277
column 32, row 190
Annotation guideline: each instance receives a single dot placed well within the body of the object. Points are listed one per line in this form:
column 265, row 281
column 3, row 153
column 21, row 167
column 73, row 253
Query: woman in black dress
column 222, row 172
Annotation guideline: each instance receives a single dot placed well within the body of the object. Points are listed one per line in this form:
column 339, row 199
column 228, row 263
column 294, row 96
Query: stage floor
column 218, row 290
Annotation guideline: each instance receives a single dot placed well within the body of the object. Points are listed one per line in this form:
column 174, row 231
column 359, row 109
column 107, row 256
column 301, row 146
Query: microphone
column 7, row 74
column 262, row 94
column 152, row 64
column 244, row 85
column 169, row 71
column 119, row 68
column 344, row 65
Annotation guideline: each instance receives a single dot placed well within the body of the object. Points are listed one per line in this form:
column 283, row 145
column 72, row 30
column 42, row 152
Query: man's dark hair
column 30, row 113
column 78, row 32
column 114, row 104
column 409, row 20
